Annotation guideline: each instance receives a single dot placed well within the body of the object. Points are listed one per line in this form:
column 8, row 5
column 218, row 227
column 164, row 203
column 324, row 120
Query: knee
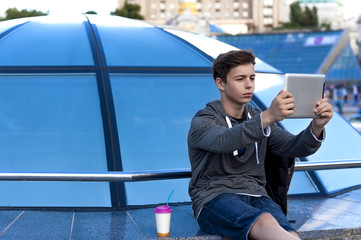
column 266, row 221
column 264, row 225
column 267, row 227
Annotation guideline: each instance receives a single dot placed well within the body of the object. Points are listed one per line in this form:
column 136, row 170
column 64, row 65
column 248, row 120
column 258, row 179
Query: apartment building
column 233, row 16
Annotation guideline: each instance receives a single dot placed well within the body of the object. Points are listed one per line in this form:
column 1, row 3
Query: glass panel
column 159, row 49
column 342, row 140
column 39, row 43
column 301, row 183
column 6, row 25
column 51, row 123
column 153, row 115
column 208, row 45
column 214, row 47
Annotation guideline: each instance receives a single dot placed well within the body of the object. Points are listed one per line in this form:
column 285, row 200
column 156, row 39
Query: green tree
column 129, row 10
column 91, row 12
column 326, row 26
column 296, row 14
column 12, row 13
column 301, row 19
column 308, row 18
column 314, row 12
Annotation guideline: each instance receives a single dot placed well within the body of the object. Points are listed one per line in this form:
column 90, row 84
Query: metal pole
column 150, row 175
column 97, row 176
column 310, row 166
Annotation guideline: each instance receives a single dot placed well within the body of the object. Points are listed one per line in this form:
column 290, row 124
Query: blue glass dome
column 104, row 93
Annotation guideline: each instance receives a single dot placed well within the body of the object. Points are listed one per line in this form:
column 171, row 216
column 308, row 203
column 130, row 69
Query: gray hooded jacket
column 217, row 168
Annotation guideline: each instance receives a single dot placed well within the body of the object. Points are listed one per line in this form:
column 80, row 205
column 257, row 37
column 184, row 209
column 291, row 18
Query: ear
column 219, row 83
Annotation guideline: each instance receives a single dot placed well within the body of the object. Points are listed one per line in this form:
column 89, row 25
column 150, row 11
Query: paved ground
column 315, row 218
column 340, row 215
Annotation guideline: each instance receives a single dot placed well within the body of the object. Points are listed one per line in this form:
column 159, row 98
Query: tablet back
column 306, row 89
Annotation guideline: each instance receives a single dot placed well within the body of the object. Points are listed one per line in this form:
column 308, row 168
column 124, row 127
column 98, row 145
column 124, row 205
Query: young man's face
column 240, row 85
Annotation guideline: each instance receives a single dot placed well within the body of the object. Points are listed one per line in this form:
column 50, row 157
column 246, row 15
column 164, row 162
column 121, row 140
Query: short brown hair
column 226, row 61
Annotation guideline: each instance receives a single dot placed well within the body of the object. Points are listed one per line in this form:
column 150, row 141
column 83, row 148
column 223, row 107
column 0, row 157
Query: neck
column 232, row 109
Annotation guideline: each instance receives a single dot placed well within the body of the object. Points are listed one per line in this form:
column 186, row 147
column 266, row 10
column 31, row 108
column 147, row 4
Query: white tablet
column 306, row 89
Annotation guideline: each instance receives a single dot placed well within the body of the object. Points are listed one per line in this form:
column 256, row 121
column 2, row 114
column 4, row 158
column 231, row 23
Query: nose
column 249, row 83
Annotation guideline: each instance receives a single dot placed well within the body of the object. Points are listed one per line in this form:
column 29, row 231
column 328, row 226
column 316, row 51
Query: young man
column 227, row 144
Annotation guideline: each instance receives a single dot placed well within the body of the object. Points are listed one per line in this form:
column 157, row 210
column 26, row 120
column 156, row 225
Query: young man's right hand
column 282, row 106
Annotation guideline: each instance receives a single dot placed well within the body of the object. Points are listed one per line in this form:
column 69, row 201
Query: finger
column 290, row 105
column 284, row 94
column 320, row 109
column 324, row 99
column 288, row 100
column 289, row 112
column 324, row 108
column 327, row 110
column 288, row 94
column 326, row 115
column 285, row 97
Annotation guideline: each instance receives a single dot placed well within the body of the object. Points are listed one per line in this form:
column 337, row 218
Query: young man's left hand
column 324, row 113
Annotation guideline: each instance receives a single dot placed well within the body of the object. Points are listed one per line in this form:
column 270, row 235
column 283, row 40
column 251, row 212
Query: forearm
column 220, row 139
column 266, row 119
column 316, row 130
column 284, row 143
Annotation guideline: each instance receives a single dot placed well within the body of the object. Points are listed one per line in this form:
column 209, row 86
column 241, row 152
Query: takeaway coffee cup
column 162, row 219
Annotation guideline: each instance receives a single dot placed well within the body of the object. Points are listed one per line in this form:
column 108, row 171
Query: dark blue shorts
column 233, row 215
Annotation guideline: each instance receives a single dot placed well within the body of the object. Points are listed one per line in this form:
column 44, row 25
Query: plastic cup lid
column 163, row 209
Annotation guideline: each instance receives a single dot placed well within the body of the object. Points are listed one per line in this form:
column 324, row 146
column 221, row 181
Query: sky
column 60, row 6
column 351, row 7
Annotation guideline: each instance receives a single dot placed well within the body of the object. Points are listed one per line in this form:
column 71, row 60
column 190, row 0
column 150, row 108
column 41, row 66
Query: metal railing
column 151, row 175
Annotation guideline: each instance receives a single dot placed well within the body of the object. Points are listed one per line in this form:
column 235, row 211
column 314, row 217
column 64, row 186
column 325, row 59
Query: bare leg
column 266, row 227
column 294, row 234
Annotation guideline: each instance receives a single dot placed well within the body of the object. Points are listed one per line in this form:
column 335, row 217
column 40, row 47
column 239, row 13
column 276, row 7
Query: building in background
column 233, row 16
column 188, row 18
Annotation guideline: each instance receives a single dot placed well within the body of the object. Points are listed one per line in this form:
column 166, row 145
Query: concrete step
column 332, row 234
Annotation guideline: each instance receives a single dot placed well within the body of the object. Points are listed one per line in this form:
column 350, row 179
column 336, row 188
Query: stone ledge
column 196, row 238
column 332, row 234
column 131, row 224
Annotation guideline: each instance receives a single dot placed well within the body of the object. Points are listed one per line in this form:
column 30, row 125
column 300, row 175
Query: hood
column 216, row 106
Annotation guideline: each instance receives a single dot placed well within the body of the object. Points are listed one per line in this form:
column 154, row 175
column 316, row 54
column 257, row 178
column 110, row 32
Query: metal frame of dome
column 159, row 60
column 102, row 70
